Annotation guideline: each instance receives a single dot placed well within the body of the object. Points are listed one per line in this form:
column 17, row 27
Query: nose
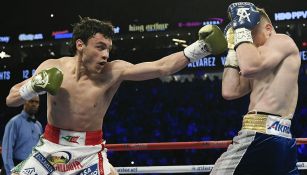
column 105, row 54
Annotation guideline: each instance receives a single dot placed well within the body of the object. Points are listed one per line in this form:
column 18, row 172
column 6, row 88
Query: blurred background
column 187, row 106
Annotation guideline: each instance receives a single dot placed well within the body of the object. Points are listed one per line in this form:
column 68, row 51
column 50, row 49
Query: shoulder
column 283, row 43
column 120, row 64
column 51, row 62
column 283, row 40
column 48, row 63
column 15, row 120
column 65, row 62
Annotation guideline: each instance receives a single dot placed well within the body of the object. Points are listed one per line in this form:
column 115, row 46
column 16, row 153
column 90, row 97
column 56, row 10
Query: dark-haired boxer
column 80, row 90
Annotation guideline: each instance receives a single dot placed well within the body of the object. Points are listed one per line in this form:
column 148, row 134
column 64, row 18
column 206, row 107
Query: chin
column 258, row 44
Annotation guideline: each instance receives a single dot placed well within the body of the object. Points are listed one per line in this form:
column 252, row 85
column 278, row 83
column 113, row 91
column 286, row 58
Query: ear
column 79, row 45
column 269, row 28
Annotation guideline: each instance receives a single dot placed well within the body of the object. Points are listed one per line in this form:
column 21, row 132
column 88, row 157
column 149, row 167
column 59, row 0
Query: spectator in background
column 21, row 134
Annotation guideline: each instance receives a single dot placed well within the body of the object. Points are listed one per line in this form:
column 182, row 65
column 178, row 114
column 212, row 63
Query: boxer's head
column 263, row 30
column 92, row 42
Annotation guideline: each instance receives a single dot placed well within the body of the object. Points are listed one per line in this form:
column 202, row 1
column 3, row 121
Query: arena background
column 187, row 106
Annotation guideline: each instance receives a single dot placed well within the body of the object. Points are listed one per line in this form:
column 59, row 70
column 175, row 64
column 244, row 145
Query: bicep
column 141, row 71
column 47, row 64
column 271, row 57
column 161, row 67
column 275, row 51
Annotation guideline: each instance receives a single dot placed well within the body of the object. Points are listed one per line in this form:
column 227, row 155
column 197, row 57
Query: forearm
column 233, row 85
column 250, row 60
column 14, row 99
column 172, row 63
column 150, row 70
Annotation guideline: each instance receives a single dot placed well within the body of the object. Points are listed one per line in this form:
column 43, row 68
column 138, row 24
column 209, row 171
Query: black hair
column 87, row 28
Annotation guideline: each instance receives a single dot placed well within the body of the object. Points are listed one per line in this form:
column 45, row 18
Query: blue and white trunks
column 264, row 146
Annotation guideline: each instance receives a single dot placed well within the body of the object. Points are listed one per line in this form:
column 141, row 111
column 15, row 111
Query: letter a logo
column 242, row 12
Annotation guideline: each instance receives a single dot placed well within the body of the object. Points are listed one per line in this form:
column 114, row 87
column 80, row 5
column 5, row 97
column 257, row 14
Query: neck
column 30, row 115
column 79, row 69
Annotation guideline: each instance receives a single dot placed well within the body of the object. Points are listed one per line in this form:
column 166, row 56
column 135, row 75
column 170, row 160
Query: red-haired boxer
column 266, row 65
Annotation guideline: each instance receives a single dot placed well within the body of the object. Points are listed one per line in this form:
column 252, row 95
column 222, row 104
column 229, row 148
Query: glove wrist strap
column 242, row 35
column 26, row 91
column 196, row 51
column 231, row 59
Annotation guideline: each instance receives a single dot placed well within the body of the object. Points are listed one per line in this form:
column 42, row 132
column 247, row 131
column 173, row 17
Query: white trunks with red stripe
column 66, row 152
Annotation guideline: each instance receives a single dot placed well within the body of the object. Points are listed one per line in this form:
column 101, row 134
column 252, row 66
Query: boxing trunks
column 264, row 146
column 66, row 152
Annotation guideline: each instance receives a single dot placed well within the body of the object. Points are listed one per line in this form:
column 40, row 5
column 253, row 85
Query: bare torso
column 277, row 91
column 80, row 105
column 89, row 84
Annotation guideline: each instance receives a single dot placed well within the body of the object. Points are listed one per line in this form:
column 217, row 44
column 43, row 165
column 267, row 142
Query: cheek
column 259, row 39
column 90, row 52
column 255, row 38
column 89, row 55
column 262, row 39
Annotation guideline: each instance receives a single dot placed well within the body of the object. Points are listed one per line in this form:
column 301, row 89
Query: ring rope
column 178, row 145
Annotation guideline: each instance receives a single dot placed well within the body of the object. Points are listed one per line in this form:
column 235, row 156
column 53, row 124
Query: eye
column 101, row 47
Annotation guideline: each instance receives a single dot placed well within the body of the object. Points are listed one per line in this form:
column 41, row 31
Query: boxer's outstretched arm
column 211, row 41
column 149, row 70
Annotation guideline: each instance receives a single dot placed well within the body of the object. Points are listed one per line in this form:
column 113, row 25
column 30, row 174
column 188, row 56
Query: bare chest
column 84, row 90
